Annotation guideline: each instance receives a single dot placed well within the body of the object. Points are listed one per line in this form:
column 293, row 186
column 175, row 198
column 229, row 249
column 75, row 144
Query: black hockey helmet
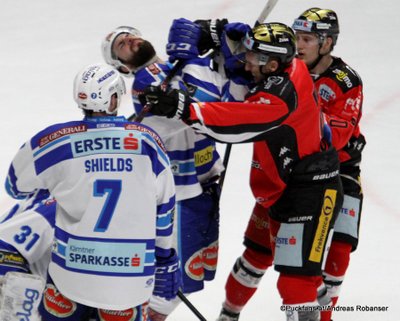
column 323, row 22
column 273, row 39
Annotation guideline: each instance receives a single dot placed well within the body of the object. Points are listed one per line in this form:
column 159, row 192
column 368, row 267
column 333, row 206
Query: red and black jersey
column 280, row 115
column 340, row 90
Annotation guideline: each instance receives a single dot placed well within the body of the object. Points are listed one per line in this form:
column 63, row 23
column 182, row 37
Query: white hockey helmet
column 107, row 45
column 94, row 86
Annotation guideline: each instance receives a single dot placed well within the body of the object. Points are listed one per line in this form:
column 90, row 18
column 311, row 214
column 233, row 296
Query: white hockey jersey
column 29, row 228
column 194, row 157
column 115, row 199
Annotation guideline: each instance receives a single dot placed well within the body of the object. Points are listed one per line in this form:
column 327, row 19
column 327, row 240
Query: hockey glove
column 236, row 30
column 231, row 44
column 211, row 31
column 183, row 38
column 173, row 103
column 168, row 276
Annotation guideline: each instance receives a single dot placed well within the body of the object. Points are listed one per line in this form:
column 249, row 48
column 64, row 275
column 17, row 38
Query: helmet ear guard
column 94, row 87
column 107, row 48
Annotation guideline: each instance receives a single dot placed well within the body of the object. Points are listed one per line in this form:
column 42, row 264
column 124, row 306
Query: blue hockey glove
column 230, row 44
column 236, row 30
column 188, row 40
column 183, row 39
column 168, row 276
column 173, row 103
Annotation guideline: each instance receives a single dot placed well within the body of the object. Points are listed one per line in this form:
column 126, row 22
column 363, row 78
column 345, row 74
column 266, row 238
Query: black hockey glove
column 173, row 103
column 211, row 31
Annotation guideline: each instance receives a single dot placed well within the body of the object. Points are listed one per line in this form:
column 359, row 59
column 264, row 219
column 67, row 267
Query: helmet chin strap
column 320, row 56
column 315, row 62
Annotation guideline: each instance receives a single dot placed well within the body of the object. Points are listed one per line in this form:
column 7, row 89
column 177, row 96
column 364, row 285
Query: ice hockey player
column 292, row 168
column 115, row 201
column 26, row 237
column 340, row 91
column 194, row 159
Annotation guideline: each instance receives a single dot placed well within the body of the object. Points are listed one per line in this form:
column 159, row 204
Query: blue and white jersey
column 29, row 228
column 194, row 158
column 115, row 199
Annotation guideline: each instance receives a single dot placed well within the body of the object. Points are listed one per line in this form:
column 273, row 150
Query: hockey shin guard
column 335, row 270
column 244, row 279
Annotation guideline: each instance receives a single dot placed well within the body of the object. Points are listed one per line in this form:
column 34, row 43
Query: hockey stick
column 261, row 18
column 138, row 118
column 265, row 11
column 192, row 308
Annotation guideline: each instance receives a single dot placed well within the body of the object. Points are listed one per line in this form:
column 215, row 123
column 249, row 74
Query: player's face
column 252, row 64
column 259, row 65
column 113, row 104
column 307, row 46
column 126, row 46
column 132, row 50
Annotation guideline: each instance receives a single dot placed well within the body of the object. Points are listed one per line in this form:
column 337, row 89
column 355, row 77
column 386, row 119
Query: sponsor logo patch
column 204, row 156
column 110, row 142
column 322, row 232
column 326, row 93
column 57, row 304
column 12, row 259
column 101, row 257
column 147, row 131
column 113, row 315
column 194, row 267
column 60, row 133
column 210, row 256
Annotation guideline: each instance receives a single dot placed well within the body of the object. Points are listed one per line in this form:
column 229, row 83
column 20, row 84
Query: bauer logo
column 105, row 142
column 322, row 232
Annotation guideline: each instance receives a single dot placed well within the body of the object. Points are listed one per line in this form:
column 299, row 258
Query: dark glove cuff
column 163, row 259
column 211, row 31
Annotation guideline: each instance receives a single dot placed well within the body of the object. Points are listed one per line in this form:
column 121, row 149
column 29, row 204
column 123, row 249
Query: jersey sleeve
column 200, row 80
column 31, row 232
column 22, row 180
column 165, row 194
column 341, row 98
column 236, row 122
